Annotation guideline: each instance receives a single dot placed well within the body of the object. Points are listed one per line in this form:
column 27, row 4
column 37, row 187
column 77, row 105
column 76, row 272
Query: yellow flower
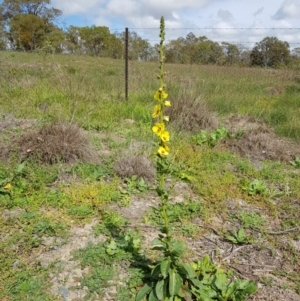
column 164, row 95
column 165, row 136
column 163, row 151
column 7, row 186
column 157, row 110
column 166, row 118
column 160, row 95
column 167, row 103
column 158, row 128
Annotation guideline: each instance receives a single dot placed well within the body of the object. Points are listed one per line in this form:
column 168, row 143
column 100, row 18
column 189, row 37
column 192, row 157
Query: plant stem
column 164, row 195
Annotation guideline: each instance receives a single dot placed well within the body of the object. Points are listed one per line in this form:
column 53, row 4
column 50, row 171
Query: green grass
column 52, row 198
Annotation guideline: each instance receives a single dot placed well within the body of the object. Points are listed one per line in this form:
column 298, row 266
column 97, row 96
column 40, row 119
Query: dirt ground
column 248, row 261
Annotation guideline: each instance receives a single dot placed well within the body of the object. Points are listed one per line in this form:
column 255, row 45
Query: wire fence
column 220, row 34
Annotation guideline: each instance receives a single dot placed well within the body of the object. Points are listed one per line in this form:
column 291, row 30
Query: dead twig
column 232, row 253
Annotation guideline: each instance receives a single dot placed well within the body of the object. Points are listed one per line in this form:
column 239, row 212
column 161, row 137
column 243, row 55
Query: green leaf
column 156, row 271
column 251, row 288
column 175, row 282
column 156, row 242
column 160, row 290
column 221, row 282
column 248, row 286
column 146, row 289
column 177, row 248
column 241, row 235
column 152, row 297
column 165, row 267
column 20, row 168
column 187, row 270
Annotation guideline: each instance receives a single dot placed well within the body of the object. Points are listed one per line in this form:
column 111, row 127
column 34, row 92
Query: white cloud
column 289, row 9
column 70, row 7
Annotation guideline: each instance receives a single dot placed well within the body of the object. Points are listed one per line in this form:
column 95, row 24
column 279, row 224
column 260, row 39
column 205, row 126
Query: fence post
column 126, row 63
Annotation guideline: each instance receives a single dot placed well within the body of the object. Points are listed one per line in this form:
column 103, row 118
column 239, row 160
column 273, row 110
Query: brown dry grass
column 60, row 142
column 128, row 166
column 188, row 113
column 259, row 141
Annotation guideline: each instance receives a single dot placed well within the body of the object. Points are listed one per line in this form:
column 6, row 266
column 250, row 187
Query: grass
column 46, row 201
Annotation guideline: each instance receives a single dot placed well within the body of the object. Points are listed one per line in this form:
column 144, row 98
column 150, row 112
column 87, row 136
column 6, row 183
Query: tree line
column 30, row 25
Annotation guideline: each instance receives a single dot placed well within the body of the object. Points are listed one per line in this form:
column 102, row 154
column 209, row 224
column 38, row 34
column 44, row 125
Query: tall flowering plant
column 160, row 130
column 172, row 279
column 169, row 274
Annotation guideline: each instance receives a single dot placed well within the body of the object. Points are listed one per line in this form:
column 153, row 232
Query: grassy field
column 78, row 208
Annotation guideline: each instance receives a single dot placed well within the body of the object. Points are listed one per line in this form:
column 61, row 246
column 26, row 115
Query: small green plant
column 179, row 212
column 267, row 281
column 251, row 219
column 296, row 162
column 135, row 184
column 201, row 280
column 238, row 237
column 213, row 283
column 128, row 241
column 113, row 220
column 257, row 187
column 212, row 138
column 8, row 180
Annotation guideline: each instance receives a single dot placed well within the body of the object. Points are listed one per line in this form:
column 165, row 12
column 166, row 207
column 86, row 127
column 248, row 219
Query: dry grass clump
column 191, row 114
column 61, row 142
column 141, row 166
column 259, row 141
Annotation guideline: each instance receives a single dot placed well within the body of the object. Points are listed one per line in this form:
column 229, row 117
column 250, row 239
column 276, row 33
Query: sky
column 184, row 16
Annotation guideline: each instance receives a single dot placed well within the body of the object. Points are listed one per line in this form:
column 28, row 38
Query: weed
column 135, row 185
column 238, row 237
column 91, row 172
column 113, row 220
column 267, row 281
column 211, row 138
column 90, row 196
column 256, row 187
column 250, row 219
column 296, row 162
column 170, row 278
column 189, row 229
column 180, row 212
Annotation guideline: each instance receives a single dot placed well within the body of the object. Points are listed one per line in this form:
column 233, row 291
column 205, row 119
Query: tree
column 94, row 40
column 270, row 52
column 27, row 31
column 193, row 50
column 72, row 41
column 231, row 52
column 296, row 52
column 138, row 48
column 29, row 24
column 174, row 51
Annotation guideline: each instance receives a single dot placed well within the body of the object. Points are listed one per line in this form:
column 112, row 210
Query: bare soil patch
column 258, row 141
